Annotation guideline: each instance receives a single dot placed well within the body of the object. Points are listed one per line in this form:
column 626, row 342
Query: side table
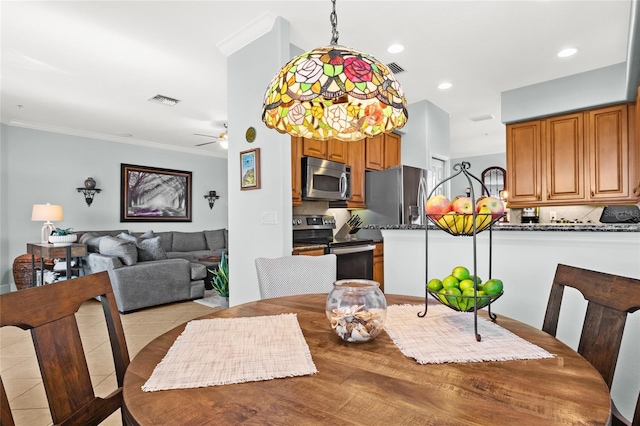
column 50, row 251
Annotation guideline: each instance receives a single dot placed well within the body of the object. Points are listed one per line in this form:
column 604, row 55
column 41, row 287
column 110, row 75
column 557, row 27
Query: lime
column 493, row 286
column 443, row 292
column 478, row 280
column 482, row 299
column 466, row 284
column 460, row 272
column 450, row 282
column 434, row 285
column 451, row 292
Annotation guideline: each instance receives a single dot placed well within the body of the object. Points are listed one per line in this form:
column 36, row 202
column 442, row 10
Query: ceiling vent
column 165, row 100
column 395, row 68
column 482, row 117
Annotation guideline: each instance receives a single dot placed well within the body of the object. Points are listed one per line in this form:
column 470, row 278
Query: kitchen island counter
column 560, row 227
column 525, row 259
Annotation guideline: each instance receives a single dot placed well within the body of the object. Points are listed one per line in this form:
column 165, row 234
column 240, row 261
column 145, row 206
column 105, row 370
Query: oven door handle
column 348, row 250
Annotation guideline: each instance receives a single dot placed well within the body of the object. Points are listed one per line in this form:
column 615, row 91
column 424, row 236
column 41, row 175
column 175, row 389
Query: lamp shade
column 47, row 212
column 334, row 92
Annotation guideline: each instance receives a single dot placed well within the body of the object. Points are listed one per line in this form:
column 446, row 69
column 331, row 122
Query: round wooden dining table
column 373, row 383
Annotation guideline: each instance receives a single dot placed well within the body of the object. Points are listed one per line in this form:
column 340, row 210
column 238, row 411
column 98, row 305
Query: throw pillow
column 150, row 249
column 148, row 234
column 127, row 237
column 92, row 241
column 125, row 250
column 215, row 239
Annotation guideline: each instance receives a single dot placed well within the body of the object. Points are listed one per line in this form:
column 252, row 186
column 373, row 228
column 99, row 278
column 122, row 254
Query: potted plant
column 220, row 281
column 62, row 237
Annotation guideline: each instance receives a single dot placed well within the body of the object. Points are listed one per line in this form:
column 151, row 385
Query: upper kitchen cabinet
column 382, row 152
column 578, row 158
column 609, row 154
column 333, row 150
column 524, row 163
column 355, row 159
column 296, row 171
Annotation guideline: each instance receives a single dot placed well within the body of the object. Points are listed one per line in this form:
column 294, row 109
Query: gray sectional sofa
column 153, row 268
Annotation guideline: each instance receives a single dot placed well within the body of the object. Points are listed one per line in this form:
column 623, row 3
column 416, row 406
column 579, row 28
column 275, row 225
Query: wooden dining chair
column 610, row 298
column 49, row 313
column 291, row 275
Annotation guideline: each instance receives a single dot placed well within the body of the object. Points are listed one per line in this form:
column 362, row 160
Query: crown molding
column 111, row 138
column 245, row 35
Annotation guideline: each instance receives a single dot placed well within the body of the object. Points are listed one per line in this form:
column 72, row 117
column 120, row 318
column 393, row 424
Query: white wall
column 43, row 167
column 426, row 133
column 249, row 71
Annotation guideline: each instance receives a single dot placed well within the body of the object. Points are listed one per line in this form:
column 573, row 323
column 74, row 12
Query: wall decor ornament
column 212, row 196
column 150, row 194
column 250, row 169
column 334, row 92
column 89, row 190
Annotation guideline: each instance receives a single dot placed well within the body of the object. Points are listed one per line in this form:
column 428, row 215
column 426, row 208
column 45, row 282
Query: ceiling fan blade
column 206, row 143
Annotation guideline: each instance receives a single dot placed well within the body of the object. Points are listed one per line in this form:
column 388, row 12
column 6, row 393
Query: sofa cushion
column 150, row 249
column 92, row 241
column 215, row 239
column 198, row 271
column 166, row 238
column 125, row 250
column 188, row 241
column 182, row 255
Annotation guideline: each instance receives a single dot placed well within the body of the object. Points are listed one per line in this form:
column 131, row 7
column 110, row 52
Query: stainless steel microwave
column 325, row 180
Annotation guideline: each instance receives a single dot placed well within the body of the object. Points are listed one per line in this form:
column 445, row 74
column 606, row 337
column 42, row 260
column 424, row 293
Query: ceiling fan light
column 224, row 143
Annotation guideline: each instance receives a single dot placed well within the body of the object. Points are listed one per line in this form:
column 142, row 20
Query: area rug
column 210, row 299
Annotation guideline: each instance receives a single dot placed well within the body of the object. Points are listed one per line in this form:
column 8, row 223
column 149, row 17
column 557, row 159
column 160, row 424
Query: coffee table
column 210, row 259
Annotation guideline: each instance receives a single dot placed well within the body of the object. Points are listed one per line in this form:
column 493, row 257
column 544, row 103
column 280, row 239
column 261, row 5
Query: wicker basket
column 22, row 272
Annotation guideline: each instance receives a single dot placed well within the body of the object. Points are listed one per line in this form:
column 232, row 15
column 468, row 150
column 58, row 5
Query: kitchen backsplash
column 584, row 214
column 322, row 207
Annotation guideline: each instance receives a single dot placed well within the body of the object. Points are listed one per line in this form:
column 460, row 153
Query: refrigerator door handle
column 421, row 199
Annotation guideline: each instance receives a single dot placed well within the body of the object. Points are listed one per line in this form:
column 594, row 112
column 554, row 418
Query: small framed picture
column 250, row 169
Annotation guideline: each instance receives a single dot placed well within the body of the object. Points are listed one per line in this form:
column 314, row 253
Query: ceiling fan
column 222, row 138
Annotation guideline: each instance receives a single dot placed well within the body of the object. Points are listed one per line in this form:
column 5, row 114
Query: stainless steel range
column 354, row 255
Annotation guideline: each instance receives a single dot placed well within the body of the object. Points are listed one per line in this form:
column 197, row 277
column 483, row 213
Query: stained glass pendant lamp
column 334, row 92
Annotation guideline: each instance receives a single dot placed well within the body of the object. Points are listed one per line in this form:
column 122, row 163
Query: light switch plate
column 552, row 215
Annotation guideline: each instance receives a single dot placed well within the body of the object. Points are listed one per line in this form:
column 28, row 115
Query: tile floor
column 21, row 375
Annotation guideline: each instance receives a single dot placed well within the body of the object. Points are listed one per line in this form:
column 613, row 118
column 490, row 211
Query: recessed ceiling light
column 395, row 48
column 567, row 52
column 444, row 86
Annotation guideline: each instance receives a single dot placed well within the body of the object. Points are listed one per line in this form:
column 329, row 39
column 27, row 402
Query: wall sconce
column 89, row 190
column 211, row 197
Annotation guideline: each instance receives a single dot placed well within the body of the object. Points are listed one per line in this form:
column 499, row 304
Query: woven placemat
column 445, row 335
column 222, row 351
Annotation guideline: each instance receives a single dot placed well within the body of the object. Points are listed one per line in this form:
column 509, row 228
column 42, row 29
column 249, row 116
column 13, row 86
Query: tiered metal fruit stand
column 458, row 224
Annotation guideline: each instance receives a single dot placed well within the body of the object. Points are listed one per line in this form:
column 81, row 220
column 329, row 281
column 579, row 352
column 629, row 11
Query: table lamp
column 46, row 212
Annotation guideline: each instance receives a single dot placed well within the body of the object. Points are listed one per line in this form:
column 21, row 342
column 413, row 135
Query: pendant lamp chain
column 334, row 25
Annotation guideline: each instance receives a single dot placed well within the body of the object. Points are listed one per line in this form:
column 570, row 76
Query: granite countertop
column 560, row 227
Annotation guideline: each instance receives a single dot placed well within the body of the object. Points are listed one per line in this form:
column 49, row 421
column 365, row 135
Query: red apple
column 437, row 206
column 462, row 205
column 494, row 204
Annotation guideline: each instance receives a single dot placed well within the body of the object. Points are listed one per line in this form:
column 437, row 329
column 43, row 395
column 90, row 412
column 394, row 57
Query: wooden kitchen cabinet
column 296, row 171
column 355, row 159
column 579, row 158
column 383, row 151
column 524, row 163
column 312, row 252
column 333, row 150
column 608, row 144
column 564, row 156
column 378, row 264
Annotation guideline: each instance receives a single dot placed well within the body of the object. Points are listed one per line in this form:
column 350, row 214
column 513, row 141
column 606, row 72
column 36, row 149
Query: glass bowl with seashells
column 356, row 309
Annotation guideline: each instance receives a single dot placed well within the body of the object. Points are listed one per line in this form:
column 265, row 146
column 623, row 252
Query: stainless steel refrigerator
column 396, row 196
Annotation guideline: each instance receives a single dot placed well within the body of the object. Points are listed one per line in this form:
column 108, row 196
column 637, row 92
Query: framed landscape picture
column 250, row 169
column 150, row 194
